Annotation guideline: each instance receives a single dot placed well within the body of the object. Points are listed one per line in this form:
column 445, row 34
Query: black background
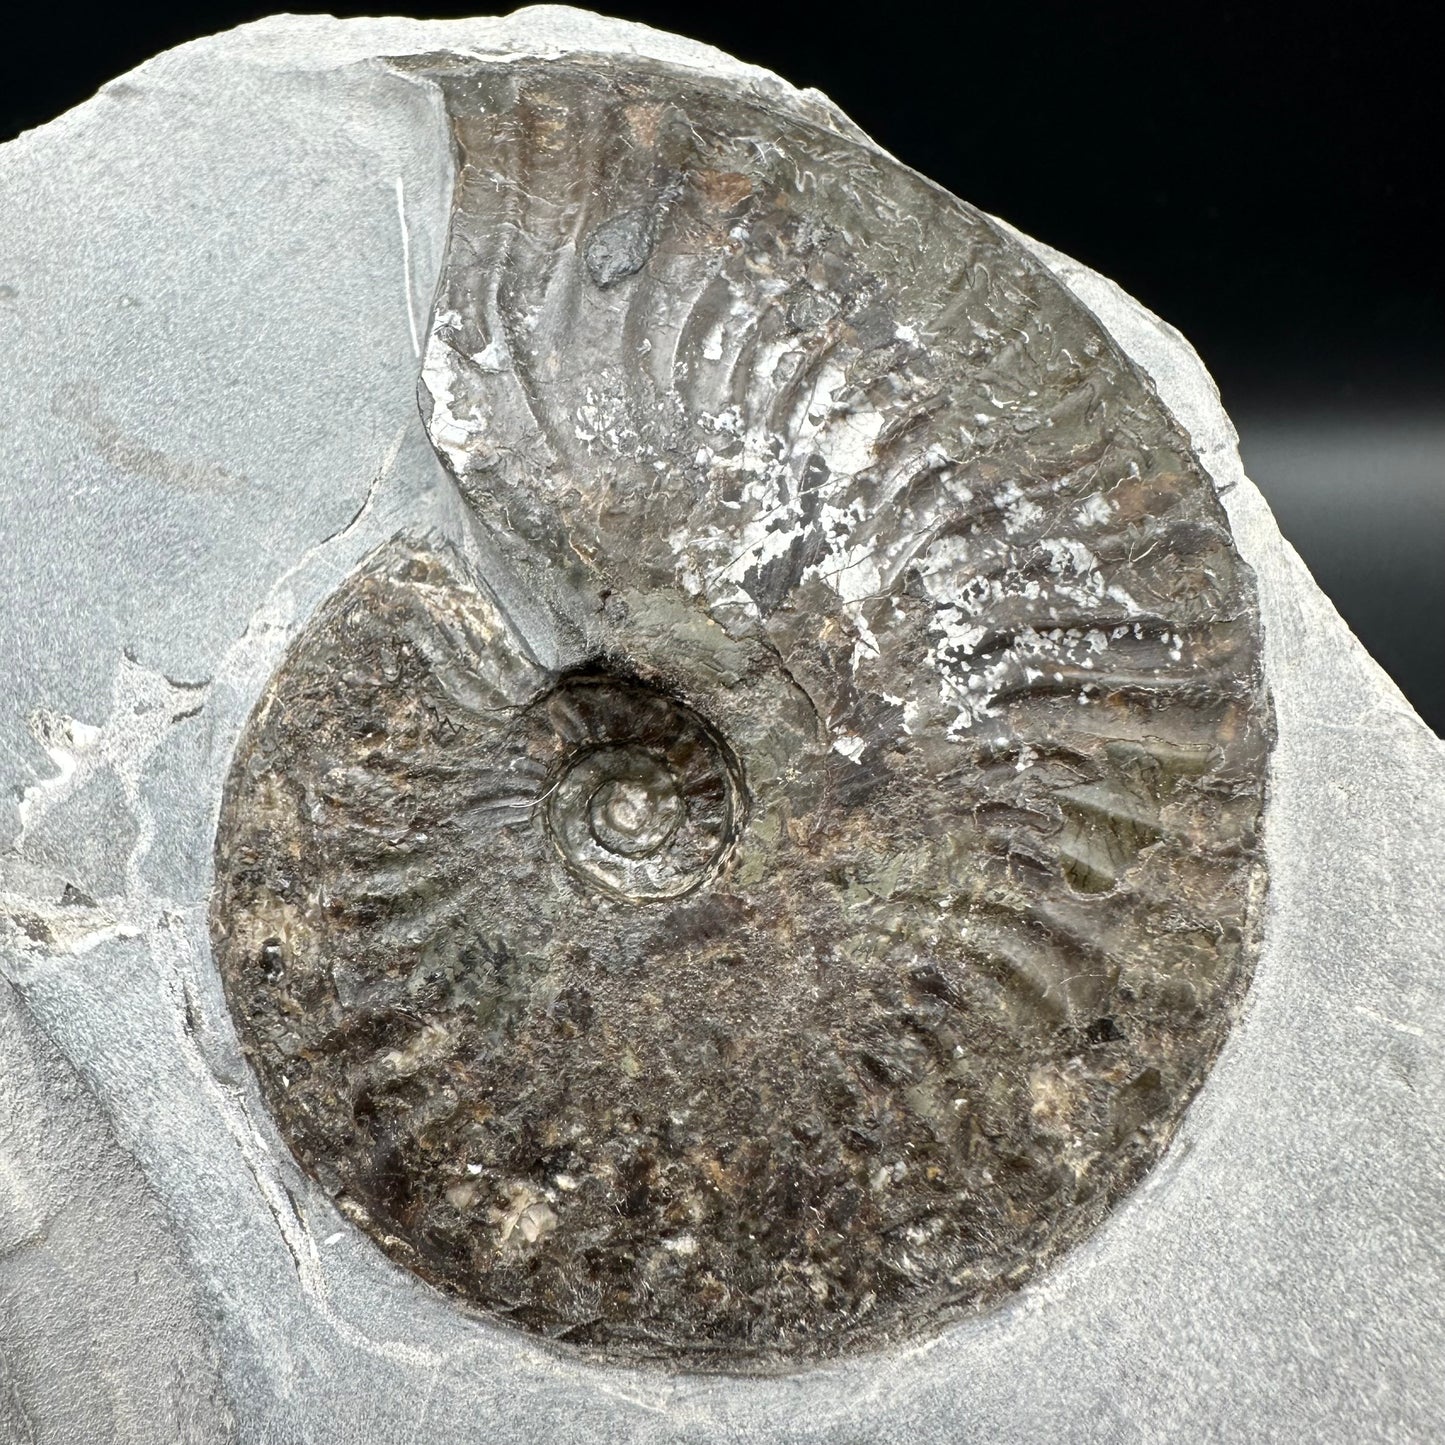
column 1270, row 178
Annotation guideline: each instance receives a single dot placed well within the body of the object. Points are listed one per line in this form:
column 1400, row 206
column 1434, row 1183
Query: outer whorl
column 839, row 929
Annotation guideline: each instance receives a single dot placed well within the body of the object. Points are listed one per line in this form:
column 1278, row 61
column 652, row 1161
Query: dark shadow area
column 1264, row 177
column 1362, row 497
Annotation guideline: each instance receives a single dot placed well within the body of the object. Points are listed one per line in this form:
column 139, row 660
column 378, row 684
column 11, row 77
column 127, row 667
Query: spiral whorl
column 644, row 799
column 832, row 922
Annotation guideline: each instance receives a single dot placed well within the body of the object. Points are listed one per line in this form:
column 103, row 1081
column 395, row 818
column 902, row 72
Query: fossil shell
column 809, row 913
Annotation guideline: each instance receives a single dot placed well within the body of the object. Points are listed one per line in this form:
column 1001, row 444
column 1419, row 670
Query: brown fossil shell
column 832, row 921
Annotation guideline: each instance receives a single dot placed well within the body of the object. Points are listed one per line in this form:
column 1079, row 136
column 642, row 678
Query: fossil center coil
column 646, row 798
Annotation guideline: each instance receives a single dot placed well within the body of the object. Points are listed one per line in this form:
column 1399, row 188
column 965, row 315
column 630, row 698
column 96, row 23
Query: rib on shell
column 833, row 920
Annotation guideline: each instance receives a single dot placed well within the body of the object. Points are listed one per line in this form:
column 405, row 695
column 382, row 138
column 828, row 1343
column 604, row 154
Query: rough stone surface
column 213, row 298
column 103, row 1334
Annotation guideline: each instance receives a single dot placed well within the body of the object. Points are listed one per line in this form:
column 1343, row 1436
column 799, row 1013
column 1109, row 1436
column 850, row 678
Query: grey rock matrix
column 781, row 850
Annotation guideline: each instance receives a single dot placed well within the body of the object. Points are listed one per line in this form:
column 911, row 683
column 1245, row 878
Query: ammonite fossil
column 781, row 886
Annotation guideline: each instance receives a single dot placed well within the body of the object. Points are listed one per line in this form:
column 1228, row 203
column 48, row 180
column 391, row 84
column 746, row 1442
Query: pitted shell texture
column 787, row 895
